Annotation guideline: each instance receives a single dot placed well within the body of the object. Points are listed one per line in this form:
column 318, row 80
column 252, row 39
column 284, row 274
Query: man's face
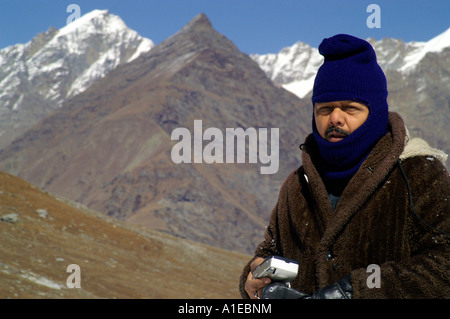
column 336, row 120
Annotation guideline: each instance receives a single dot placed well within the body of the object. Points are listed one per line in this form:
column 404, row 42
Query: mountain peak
column 58, row 64
column 199, row 21
column 95, row 19
column 198, row 34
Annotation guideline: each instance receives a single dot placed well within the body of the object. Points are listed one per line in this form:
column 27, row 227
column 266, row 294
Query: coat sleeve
column 425, row 272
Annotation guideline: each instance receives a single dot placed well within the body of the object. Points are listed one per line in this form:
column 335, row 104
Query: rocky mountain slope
column 42, row 235
column 37, row 77
column 110, row 146
column 417, row 73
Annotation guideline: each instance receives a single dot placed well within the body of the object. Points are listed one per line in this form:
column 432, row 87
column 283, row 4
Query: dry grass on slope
column 116, row 260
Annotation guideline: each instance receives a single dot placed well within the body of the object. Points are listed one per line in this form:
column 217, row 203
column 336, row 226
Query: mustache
column 339, row 131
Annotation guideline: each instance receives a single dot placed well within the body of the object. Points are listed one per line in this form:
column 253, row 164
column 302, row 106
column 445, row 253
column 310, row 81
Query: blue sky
column 255, row 26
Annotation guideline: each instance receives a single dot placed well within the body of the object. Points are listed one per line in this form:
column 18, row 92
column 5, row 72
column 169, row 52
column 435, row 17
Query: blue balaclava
column 350, row 72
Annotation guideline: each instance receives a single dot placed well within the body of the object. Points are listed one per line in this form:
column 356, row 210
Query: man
column 365, row 195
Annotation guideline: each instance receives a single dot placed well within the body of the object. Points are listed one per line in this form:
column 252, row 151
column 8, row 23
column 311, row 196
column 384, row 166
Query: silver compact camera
column 277, row 268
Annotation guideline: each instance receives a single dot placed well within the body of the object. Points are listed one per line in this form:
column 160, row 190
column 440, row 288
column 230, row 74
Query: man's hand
column 254, row 287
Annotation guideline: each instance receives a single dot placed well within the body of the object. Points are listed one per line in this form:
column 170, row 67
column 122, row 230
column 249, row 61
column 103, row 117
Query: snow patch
column 437, row 44
column 40, row 280
column 145, row 46
column 18, row 102
column 300, row 88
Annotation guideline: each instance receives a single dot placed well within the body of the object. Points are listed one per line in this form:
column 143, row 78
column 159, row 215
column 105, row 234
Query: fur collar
column 418, row 147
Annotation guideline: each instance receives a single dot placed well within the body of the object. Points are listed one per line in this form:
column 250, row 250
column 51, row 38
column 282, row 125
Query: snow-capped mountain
column 295, row 67
column 38, row 76
column 402, row 56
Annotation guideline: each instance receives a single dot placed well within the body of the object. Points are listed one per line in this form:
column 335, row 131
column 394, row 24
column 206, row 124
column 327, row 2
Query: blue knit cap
column 350, row 72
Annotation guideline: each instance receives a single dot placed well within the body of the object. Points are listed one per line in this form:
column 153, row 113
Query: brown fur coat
column 372, row 224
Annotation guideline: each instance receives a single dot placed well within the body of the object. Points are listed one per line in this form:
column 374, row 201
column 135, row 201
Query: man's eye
column 352, row 109
column 325, row 110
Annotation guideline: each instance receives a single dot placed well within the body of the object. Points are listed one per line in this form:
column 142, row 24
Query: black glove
column 278, row 290
column 339, row 290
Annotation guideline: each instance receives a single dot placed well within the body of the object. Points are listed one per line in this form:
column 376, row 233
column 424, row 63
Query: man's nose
column 337, row 117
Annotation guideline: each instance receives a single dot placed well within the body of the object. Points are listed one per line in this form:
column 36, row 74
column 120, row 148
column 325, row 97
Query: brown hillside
column 116, row 260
